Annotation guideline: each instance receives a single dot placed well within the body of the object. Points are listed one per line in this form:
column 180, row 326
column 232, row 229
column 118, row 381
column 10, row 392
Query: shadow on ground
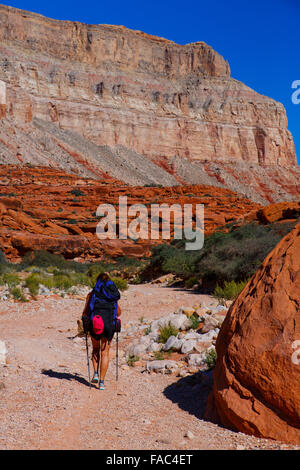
column 66, row 376
column 191, row 393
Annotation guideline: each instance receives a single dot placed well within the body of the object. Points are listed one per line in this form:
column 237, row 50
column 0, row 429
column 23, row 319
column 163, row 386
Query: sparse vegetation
column 18, row 294
column 132, row 359
column 211, row 358
column 165, row 332
column 226, row 256
column 229, row 291
column 159, row 356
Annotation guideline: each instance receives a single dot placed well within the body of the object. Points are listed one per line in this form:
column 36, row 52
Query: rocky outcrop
column 83, row 96
column 256, row 379
column 43, row 208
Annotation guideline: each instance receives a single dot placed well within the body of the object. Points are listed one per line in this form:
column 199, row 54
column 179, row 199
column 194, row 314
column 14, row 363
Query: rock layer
column 257, row 376
column 125, row 89
column 42, row 208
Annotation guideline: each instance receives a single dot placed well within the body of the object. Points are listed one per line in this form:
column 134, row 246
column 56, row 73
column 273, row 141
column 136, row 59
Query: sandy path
column 46, row 402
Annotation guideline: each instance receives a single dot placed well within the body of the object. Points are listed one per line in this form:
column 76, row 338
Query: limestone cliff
column 173, row 105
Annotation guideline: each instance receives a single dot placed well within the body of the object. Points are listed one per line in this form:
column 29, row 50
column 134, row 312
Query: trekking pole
column 87, row 356
column 117, row 355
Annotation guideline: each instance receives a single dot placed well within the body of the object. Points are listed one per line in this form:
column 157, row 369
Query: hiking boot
column 101, row 385
column 95, row 379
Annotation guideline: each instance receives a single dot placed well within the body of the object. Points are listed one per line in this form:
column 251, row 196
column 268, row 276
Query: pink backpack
column 98, row 325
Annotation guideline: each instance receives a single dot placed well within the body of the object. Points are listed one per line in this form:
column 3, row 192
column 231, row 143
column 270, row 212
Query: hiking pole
column 117, row 355
column 87, row 356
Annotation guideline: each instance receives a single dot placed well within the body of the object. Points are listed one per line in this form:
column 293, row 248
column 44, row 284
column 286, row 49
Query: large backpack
column 104, row 297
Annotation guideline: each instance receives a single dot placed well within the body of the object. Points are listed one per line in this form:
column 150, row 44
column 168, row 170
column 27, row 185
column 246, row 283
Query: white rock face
column 3, row 352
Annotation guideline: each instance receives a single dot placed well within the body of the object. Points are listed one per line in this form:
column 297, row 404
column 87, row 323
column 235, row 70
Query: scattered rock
column 3, row 352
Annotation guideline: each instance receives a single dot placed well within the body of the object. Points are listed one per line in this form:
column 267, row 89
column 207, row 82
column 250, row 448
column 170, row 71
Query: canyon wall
column 115, row 87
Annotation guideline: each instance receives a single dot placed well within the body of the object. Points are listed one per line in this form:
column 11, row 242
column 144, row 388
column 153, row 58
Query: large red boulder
column 257, row 376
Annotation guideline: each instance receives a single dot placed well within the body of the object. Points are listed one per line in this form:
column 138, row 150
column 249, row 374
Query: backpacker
column 103, row 300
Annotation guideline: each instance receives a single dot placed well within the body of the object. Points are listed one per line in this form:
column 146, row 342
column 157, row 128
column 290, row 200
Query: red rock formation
column 42, row 208
column 175, row 105
column 257, row 376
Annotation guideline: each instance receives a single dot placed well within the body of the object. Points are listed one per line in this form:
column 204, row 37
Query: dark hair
column 104, row 277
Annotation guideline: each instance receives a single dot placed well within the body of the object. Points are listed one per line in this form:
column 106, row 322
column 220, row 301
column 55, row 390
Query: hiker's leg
column 104, row 357
column 95, row 354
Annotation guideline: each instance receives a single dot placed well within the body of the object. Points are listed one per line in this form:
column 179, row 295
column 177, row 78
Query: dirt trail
column 46, row 402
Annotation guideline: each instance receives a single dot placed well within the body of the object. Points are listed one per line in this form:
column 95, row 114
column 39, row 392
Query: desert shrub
column 121, row 284
column 32, row 282
column 137, row 280
column 190, row 282
column 195, row 321
column 226, row 256
column 230, row 290
column 211, row 358
column 148, row 330
column 11, row 279
column 131, row 359
column 165, row 332
column 159, row 356
column 18, row 294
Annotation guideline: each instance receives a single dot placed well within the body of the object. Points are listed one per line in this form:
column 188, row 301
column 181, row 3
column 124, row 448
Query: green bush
column 211, row 358
column 11, row 279
column 195, row 322
column 121, row 284
column 32, row 282
column 189, row 283
column 131, row 359
column 159, row 356
column 226, row 256
column 17, row 294
column 165, row 332
column 148, row 330
column 230, row 290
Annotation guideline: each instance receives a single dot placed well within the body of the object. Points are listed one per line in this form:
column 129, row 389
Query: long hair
column 104, row 277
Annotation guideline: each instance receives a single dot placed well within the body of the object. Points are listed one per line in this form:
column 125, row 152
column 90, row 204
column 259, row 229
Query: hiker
column 100, row 319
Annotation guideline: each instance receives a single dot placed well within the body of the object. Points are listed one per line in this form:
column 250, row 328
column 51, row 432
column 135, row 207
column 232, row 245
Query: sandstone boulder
column 257, row 376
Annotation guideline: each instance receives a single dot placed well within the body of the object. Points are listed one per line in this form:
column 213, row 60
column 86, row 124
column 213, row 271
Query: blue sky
column 259, row 38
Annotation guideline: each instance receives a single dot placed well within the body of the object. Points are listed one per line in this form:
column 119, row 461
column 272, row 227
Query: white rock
column 190, row 335
column 154, row 347
column 146, row 340
column 172, row 343
column 153, row 336
column 3, row 352
column 189, row 435
column 180, row 322
column 208, row 336
column 188, row 346
column 161, row 366
column 209, row 324
column 139, row 349
column 196, row 360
